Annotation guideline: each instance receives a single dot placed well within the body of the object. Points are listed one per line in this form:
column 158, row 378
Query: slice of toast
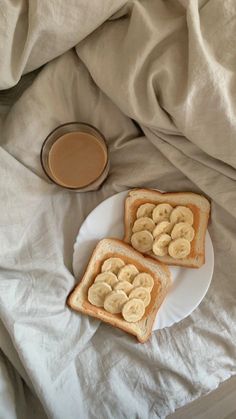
column 106, row 248
column 200, row 208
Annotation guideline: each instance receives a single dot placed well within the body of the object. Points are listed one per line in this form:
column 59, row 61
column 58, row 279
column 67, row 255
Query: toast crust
column 137, row 197
column 142, row 329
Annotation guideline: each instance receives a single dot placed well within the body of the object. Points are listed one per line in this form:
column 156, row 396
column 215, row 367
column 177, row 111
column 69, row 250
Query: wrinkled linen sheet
column 158, row 79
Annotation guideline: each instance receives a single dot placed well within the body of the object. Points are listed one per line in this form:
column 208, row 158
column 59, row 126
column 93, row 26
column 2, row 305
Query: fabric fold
column 158, row 80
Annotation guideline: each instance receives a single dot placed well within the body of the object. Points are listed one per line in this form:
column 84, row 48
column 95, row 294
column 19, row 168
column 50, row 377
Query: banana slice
column 142, row 294
column 145, row 210
column 181, row 215
column 124, row 286
column 162, row 227
column 115, row 301
column 160, row 245
column 179, row 248
column 183, row 231
column 144, row 280
column 142, row 241
column 97, row 293
column 112, row 265
column 162, row 213
column 107, row 277
column 133, row 310
column 143, row 223
column 127, row 273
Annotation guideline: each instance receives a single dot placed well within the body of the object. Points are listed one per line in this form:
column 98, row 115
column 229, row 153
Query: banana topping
column 179, row 248
column 181, row 215
column 143, row 223
column 127, row 273
column 142, row 294
column 107, row 277
column 144, row 280
column 113, row 265
column 145, row 210
column 97, row 293
column 162, row 213
column 162, row 227
column 133, row 310
column 160, row 245
column 114, row 301
column 183, row 231
column 142, row 241
column 124, row 286
column 160, row 234
column 121, row 289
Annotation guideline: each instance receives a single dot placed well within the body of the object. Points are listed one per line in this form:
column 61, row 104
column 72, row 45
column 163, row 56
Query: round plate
column 189, row 285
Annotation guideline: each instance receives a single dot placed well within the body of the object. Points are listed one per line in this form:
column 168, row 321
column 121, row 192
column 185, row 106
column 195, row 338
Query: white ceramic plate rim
column 189, row 285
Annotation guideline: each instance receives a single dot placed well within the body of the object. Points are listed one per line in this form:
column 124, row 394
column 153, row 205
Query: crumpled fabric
column 158, row 80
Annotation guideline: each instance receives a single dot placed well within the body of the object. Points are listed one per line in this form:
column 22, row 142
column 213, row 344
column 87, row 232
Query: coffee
column 77, row 159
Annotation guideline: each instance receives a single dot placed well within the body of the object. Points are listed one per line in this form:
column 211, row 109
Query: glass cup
column 60, row 131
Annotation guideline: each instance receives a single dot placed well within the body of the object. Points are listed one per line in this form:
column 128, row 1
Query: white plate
column 189, row 285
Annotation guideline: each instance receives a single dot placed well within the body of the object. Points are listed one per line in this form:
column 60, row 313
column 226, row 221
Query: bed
column 157, row 78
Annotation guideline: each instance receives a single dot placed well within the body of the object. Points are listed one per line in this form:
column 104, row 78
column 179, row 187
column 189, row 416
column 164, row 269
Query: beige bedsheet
column 158, row 79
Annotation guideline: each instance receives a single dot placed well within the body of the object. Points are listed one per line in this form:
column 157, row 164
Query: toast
column 200, row 208
column 114, row 248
